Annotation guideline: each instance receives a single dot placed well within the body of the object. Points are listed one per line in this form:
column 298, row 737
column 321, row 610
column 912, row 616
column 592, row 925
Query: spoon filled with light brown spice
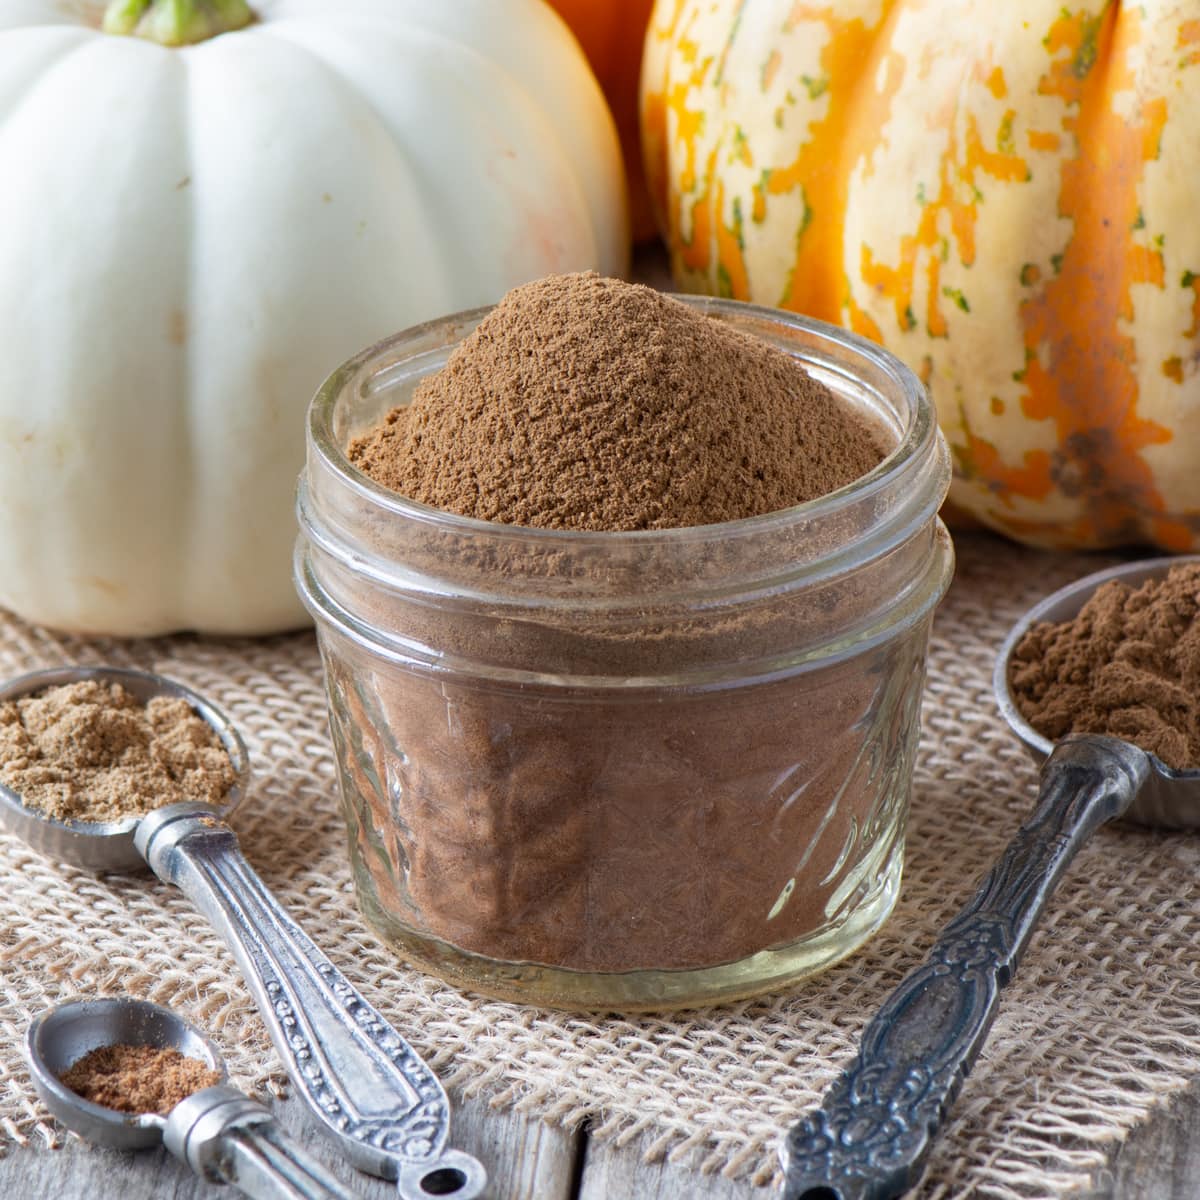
column 1101, row 682
column 99, row 743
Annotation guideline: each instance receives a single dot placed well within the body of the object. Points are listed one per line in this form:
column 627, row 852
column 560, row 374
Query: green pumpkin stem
column 175, row 22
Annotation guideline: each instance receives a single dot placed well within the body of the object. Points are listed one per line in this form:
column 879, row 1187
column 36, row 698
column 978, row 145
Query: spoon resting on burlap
column 871, row 1137
column 365, row 1084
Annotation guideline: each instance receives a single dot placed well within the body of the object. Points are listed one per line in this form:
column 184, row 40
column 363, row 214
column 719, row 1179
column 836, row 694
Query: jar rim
column 908, row 455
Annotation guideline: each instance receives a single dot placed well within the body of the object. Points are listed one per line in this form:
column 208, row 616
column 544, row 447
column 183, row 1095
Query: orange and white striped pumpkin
column 1002, row 194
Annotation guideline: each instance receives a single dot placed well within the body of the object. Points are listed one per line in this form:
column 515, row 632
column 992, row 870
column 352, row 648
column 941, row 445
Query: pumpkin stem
column 175, row 22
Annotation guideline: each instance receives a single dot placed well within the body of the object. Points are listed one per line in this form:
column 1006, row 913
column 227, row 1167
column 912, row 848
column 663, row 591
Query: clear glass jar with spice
column 626, row 770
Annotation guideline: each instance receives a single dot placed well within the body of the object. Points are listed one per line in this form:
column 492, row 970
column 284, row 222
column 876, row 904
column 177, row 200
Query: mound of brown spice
column 587, row 403
column 137, row 1078
column 1127, row 665
column 91, row 751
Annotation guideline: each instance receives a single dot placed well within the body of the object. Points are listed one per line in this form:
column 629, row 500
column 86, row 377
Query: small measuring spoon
column 372, row 1092
column 223, row 1135
column 871, row 1136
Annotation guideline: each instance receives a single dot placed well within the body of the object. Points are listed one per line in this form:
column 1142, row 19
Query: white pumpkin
column 192, row 238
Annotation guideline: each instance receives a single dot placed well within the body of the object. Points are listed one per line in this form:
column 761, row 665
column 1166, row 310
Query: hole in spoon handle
column 452, row 1174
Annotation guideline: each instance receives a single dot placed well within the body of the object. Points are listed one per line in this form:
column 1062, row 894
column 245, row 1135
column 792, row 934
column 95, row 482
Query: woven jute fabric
column 1101, row 1024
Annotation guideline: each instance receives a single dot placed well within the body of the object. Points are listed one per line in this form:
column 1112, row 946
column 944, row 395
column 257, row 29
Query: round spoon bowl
column 62, row 1035
column 1169, row 798
column 108, row 845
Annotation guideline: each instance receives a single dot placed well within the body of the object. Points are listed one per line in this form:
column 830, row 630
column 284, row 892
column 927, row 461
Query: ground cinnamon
column 90, row 751
column 588, row 403
column 137, row 1079
column 1127, row 665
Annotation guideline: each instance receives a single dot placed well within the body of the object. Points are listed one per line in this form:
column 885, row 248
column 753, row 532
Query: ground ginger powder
column 91, row 751
column 587, row 403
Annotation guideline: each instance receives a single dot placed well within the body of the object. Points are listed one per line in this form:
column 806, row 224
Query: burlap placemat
column 1102, row 1023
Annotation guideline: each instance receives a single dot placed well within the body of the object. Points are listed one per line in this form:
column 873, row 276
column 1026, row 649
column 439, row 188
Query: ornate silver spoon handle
column 375, row 1095
column 872, row 1134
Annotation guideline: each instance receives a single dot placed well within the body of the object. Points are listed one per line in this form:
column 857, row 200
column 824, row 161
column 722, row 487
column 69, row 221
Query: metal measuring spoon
column 871, row 1136
column 375, row 1096
column 223, row 1135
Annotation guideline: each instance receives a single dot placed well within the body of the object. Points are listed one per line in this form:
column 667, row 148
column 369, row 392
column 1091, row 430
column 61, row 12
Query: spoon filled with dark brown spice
column 1101, row 682
column 129, row 1074
column 74, row 730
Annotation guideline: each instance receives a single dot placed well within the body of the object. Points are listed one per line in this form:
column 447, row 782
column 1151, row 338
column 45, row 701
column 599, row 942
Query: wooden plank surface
column 526, row 1160
column 618, row 1173
column 1160, row 1159
column 531, row 1161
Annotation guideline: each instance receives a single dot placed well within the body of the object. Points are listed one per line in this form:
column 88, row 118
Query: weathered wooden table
column 531, row 1161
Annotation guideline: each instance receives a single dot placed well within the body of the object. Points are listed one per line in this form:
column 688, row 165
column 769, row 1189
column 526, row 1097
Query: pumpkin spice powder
column 590, row 404
column 576, row 825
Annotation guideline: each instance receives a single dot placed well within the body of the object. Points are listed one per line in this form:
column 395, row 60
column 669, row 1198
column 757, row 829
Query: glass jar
column 626, row 770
